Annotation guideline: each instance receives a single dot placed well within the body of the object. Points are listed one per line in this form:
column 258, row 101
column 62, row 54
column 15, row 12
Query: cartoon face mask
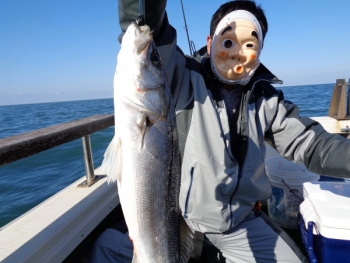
column 235, row 47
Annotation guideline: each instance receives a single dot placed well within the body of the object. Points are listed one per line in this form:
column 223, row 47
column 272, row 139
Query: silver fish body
column 143, row 156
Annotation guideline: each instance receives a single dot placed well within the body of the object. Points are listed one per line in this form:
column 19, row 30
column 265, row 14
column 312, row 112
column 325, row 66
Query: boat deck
column 51, row 231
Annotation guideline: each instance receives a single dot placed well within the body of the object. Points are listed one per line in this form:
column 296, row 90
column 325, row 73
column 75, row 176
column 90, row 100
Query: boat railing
column 20, row 146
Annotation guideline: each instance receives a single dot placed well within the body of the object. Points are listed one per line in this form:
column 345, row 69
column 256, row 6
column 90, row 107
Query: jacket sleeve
column 302, row 139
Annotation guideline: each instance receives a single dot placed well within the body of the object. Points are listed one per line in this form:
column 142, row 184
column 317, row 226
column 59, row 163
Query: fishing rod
column 190, row 43
column 141, row 19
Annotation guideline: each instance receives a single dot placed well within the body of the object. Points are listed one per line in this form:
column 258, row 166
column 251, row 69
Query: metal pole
column 89, row 166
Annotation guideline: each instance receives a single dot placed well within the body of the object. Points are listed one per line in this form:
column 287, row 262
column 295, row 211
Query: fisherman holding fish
column 226, row 110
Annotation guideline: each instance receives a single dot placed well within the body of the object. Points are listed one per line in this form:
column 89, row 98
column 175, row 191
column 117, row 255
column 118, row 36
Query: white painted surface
column 52, row 230
column 331, row 125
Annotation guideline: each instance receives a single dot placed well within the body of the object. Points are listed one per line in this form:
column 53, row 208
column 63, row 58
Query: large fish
column 143, row 156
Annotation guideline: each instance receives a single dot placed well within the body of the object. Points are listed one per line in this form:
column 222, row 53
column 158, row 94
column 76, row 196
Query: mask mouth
column 238, row 69
column 242, row 68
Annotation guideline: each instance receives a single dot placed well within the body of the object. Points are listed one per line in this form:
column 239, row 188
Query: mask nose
column 237, row 55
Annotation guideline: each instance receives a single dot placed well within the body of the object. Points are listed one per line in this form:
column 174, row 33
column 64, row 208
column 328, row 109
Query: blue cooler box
column 325, row 221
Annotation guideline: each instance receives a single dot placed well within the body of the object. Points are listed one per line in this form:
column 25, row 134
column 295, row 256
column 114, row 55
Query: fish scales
column 143, row 156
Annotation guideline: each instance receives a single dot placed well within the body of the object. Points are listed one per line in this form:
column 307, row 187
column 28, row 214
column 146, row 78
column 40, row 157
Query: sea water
column 27, row 182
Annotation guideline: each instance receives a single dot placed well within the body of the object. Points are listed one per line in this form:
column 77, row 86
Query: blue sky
column 66, row 50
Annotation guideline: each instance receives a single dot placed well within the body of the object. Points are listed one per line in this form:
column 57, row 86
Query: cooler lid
column 328, row 205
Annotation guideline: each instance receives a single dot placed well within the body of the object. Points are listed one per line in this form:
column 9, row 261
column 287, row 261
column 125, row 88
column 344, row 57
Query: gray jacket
column 223, row 172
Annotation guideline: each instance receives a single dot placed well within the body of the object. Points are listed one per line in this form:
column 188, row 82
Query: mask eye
column 250, row 45
column 155, row 59
column 227, row 43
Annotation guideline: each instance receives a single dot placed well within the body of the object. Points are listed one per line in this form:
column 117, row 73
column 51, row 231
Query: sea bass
column 143, row 156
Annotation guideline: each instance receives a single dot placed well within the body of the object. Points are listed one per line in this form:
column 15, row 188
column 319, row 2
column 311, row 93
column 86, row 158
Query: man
column 226, row 109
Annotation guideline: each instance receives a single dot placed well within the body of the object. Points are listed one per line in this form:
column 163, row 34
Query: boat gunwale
column 20, row 146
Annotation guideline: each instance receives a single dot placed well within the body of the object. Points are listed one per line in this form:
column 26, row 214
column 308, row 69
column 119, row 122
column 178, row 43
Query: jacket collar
column 261, row 74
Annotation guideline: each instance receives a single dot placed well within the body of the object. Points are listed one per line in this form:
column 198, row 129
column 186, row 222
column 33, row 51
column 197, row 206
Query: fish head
column 140, row 76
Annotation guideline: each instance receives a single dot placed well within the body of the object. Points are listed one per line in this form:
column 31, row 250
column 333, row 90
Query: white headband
column 239, row 14
column 234, row 15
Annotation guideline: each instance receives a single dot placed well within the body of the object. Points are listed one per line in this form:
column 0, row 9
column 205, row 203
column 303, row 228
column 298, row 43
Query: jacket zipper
column 188, row 194
column 243, row 108
column 243, row 117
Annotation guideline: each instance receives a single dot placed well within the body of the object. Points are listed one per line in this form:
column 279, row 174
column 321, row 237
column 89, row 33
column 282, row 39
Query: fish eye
column 155, row 59
column 227, row 43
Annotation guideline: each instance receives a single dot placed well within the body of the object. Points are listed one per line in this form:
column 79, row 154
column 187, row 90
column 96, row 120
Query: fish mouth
column 148, row 94
column 143, row 37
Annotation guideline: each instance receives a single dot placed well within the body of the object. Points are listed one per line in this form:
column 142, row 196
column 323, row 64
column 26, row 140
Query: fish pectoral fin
column 143, row 123
column 112, row 163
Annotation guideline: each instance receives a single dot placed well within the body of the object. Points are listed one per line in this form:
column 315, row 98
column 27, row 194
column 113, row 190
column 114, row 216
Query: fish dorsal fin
column 186, row 241
column 112, row 164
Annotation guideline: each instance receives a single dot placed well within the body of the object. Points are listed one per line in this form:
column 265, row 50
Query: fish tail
column 186, row 241
column 134, row 259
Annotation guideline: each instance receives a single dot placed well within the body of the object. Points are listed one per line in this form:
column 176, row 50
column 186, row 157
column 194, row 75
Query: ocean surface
column 27, row 182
